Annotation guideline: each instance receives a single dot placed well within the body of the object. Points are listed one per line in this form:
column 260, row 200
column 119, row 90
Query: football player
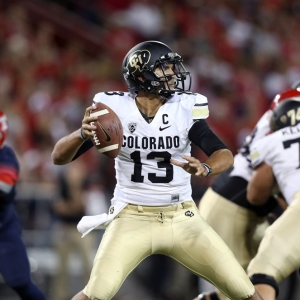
column 275, row 159
column 225, row 202
column 14, row 264
column 152, row 210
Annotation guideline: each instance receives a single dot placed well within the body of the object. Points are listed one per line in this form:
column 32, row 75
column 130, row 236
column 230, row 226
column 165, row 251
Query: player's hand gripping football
column 192, row 166
column 87, row 128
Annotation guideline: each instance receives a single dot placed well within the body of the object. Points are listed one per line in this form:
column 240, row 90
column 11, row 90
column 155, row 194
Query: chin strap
column 166, row 94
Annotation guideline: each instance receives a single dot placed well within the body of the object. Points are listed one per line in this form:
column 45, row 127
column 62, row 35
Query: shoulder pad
column 106, row 96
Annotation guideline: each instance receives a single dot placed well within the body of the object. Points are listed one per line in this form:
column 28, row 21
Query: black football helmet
column 139, row 67
column 286, row 113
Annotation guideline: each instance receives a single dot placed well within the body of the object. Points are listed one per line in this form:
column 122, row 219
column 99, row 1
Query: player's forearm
column 220, row 161
column 261, row 184
column 257, row 194
column 66, row 148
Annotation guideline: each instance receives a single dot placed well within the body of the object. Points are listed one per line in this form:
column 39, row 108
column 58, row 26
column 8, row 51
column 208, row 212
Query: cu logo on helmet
column 137, row 61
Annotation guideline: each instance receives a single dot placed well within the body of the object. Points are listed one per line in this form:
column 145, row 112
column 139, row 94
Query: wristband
column 81, row 136
column 208, row 169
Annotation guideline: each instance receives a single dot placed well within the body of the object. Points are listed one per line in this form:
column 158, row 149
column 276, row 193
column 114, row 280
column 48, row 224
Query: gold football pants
column 177, row 231
column 240, row 228
column 279, row 252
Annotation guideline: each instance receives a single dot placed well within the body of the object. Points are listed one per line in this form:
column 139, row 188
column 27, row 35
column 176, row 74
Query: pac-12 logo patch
column 132, row 127
column 137, row 61
column 189, row 213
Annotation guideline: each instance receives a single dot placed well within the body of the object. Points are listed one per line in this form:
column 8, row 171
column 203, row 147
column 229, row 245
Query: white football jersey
column 281, row 151
column 144, row 173
column 242, row 164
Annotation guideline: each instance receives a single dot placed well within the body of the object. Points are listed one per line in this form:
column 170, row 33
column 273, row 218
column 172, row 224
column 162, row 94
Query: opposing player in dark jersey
column 225, row 202
column 14, row 264
column 152, row 211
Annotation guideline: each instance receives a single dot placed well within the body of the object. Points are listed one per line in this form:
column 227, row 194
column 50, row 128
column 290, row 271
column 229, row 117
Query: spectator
column 68, row 209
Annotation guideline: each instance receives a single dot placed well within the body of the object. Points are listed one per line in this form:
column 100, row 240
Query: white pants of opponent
column 177, row 231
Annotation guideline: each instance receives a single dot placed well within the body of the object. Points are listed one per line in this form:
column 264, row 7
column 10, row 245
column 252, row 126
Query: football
column 108, row 137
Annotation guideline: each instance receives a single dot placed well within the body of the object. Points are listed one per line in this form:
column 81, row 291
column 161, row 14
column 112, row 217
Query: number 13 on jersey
column 163, row 163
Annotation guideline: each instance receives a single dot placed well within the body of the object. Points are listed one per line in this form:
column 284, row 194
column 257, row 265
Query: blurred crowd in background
column 56, row 55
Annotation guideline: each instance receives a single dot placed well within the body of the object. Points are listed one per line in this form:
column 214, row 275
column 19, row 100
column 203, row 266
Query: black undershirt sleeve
column 87, row 145
column 202, row 136
column 234, row 189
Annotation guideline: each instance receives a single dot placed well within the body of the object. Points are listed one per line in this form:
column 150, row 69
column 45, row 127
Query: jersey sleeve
column 200, row 108
column 111, row 99
column 259, row 151
column 101, row 97
column 8, row 177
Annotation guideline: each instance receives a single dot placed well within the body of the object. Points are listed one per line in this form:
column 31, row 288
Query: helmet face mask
column 3, row 128
column 153, row 67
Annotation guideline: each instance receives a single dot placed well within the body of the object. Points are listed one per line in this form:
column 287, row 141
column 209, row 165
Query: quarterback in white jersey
column 152, row 209
column 151, row 179
column 275, row 159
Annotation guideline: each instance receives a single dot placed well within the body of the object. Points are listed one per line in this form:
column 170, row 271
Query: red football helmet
column 3, row 128
column 293, row 94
